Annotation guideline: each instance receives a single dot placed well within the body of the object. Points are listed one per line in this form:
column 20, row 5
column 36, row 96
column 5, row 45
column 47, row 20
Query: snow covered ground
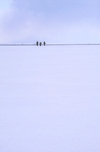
column 50, row 99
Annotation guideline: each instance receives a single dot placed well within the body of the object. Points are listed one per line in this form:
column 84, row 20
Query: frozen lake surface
column 50, row 99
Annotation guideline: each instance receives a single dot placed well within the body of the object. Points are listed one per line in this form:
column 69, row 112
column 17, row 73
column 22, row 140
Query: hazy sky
column 50, row 96
column 69, row 21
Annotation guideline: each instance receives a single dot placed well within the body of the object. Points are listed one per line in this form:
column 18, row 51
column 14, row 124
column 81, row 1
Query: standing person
column 44, row 43
column 37, row 43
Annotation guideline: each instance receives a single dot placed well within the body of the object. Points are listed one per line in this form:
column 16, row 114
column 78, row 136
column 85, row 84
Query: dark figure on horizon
column 40, row 43
column 44, row 43
column 37, row 43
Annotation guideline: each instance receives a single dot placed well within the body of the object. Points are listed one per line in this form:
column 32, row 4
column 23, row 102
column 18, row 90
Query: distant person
column 44, row 43
column 40, row 43
column 37, row 43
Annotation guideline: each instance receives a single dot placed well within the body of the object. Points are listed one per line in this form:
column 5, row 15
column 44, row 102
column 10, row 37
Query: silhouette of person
column 37, row 43
column 40, row 43
column 44, row 43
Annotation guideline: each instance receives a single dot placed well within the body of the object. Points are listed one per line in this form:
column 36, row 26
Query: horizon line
column 48, row 44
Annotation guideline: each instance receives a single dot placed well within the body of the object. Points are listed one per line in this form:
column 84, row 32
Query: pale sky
column 5, row 4
column 50, row 96
column 55, row 21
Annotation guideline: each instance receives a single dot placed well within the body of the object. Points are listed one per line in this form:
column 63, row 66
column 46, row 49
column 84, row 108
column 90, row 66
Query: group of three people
column 40, row 43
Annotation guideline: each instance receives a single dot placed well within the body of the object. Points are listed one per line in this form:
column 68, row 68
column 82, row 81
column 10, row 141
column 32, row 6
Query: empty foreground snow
column 50, row 99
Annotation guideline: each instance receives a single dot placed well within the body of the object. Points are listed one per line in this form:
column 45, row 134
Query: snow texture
column 50, row 99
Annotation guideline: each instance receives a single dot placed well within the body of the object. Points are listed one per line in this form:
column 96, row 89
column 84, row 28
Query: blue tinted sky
column 55, row 21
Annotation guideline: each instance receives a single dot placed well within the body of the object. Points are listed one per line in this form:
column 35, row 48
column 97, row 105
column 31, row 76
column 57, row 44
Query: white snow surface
column 50, row 99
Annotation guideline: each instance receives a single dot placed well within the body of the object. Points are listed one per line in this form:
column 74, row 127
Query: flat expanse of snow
column 50, row 99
